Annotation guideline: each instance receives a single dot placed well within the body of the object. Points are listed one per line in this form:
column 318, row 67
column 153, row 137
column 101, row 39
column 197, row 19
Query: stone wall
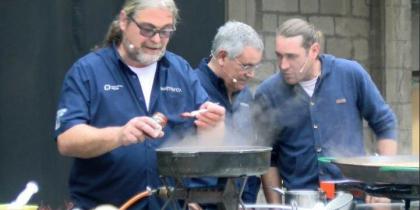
column 398, row 66
column 345, row 25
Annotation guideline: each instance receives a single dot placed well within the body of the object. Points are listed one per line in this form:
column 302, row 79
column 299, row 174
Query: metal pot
column 218, row 161
column 301, row 198
column 304, row 198
column 342, row 201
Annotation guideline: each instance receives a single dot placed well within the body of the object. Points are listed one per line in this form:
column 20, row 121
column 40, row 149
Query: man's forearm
column 271, row 180
column 84, row 141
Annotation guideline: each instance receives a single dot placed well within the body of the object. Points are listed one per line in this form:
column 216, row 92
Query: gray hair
column 233, row 37
column 298, row 27
column 131, row 9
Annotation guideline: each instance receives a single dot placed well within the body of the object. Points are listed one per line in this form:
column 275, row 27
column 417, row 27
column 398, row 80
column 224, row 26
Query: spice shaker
column 160, row 118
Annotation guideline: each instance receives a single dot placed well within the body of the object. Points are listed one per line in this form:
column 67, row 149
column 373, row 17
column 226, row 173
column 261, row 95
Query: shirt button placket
column 318, row 147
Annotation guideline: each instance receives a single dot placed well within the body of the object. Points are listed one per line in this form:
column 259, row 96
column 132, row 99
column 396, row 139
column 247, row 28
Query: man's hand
column 194, row 206
column 138, row 129
column 373, row 199
column 387, row 147
column 212, row 117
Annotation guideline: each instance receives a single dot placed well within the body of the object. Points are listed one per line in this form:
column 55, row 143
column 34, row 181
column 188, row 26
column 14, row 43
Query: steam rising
column 238, row 130
column 261, row 127
column 216, row 137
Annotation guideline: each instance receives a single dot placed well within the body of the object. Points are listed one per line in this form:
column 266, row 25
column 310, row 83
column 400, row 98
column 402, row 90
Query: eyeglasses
column 147, row 30
column 248, row 67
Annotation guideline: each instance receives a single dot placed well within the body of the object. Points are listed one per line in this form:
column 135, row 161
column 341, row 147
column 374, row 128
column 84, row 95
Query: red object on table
column 329, row 188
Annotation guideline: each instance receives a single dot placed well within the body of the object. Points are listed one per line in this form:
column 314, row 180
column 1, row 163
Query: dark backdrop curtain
column 39, row 42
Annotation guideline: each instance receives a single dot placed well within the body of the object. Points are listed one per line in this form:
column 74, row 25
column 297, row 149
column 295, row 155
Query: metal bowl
column 304, row 198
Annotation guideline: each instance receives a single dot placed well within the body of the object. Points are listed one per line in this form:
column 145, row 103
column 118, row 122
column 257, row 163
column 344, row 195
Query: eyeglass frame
column 247, row 67
column 154, row 31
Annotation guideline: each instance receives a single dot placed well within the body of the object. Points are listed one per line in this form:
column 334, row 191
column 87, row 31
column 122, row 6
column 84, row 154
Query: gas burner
column 226, row 197
column 394, row 191
column 404, row 192
column 229, row 163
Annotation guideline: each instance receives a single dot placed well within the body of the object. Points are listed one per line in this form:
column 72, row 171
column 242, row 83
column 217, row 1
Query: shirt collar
column 214, row 79
column 326, row 63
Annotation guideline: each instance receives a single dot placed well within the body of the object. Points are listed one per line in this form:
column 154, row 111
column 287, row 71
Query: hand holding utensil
column 193, row 113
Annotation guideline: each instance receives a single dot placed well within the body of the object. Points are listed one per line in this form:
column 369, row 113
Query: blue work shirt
column 329, row 123
column 100, row 90
column 237, row 122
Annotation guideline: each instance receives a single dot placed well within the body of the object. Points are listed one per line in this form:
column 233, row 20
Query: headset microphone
column 131, row 46
column 234, row 80
column 304, row 64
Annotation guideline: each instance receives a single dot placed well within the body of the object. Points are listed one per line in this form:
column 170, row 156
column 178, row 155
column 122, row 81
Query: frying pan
column 399, row 169
column 218, row 161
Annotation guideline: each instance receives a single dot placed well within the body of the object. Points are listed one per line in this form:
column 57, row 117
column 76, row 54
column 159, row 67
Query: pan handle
column 278, row 190
column 326, row 159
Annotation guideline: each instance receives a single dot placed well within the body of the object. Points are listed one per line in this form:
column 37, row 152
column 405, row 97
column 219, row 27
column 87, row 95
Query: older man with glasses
column 108, row 97
column 236, row 53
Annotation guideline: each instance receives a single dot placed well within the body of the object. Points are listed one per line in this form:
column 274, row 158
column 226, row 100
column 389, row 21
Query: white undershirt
column 146, row 77
column 309, row 86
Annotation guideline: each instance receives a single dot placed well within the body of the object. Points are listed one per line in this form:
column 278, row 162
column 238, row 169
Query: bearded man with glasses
column 107, row 100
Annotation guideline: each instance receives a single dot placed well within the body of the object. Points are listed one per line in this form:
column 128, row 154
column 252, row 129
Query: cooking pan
column 219, row 161
column 399, row 169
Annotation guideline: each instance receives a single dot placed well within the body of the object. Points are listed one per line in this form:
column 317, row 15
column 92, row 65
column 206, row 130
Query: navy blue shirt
column 237, row 120
column 101, row 91
column 329, row 123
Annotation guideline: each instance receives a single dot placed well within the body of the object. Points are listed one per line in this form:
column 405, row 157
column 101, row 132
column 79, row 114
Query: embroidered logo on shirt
column 171, row 89
column 340, row 101
column 60, row 113
column 108, row 87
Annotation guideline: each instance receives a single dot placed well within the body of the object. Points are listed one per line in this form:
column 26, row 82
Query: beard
column 140, row 55
column 148, row 59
